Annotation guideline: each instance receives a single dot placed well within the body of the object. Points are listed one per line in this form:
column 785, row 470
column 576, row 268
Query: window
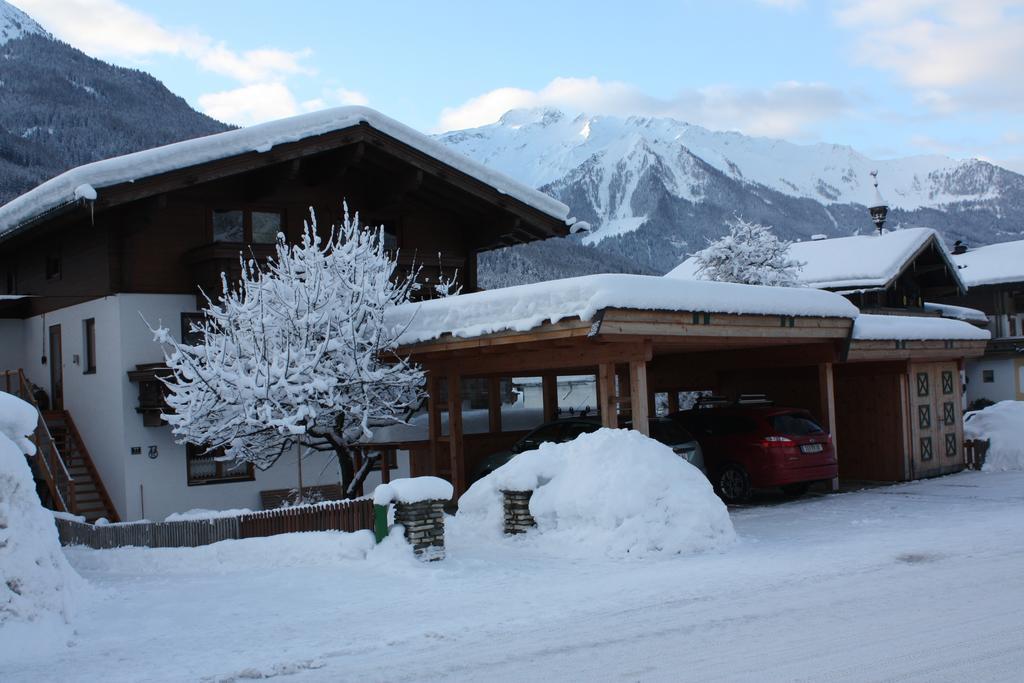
column 988, row 376
column 204, row 468
column 53, row 267
column 89, row 343
column 246, row 225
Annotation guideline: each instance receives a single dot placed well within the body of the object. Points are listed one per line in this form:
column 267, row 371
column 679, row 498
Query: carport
column 638, row 335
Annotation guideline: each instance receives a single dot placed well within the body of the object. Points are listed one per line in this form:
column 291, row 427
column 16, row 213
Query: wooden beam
column 549, row 389
column 673, row 402
column 455, row 446
column 531, row 359
column 638, row 396
column 827, row 411
column 494, row 404
column 607, row 396
column 434, row 425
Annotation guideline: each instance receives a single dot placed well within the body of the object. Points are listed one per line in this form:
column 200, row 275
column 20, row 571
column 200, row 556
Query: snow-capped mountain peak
column 14, row 24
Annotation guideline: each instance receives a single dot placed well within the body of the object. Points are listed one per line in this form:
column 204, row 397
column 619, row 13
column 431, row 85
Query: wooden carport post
column 607, row 397
column 549, row 393
column 434, row 426
column 638, row 396
column 455, row 447
column 827, row 401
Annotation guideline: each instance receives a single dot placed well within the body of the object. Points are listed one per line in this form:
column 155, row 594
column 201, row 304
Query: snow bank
column 914, row 327
column 37, row 585
column 84, row 181
column 1003, row 425
column 310, row 549
column 528, row 306
column 413, row 490
column 611, row 493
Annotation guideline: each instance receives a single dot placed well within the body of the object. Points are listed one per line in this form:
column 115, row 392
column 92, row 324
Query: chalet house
column 87, row 258
column 898, row 381
column 995, row 275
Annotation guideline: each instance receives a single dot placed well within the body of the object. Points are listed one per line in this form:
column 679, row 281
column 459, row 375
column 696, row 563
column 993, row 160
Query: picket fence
column 346, row 515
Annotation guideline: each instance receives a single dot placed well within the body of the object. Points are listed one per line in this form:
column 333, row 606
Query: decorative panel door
column 937, row 431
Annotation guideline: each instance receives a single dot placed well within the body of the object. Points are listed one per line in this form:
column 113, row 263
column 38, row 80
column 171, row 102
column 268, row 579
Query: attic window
column 251, row 226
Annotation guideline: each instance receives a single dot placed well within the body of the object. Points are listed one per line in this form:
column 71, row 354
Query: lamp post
column 880, row 209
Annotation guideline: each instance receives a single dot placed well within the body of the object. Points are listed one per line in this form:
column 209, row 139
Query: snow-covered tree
column 297, row 353
column 750, row 254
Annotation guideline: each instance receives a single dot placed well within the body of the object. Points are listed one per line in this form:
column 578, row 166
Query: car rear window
column 669, row 432
column 794, row 424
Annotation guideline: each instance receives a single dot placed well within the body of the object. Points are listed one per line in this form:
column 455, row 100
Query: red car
column 747, row 447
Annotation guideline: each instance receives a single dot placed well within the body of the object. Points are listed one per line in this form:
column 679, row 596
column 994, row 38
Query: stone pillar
column 518, row 519
column 424, row 527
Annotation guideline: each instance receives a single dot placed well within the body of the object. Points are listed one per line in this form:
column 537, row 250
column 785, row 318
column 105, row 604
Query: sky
column 888, row 77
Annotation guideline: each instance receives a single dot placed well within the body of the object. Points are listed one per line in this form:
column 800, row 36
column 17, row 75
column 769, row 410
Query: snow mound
column 310, row 549
column 1003, row 425
column 37, row 584
column 612, row 493
column 414, row 490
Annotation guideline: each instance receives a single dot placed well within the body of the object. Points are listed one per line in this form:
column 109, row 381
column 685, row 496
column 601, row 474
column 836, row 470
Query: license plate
column 812, row 448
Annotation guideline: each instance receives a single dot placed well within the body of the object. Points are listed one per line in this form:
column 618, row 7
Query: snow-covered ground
column 911, row 582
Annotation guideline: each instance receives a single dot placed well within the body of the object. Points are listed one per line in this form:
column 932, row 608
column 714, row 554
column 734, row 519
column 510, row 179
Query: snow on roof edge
column 873, row 327
column 64, row 188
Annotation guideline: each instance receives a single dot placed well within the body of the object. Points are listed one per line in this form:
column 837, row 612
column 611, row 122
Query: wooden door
column 935, row 418
column 56, row 370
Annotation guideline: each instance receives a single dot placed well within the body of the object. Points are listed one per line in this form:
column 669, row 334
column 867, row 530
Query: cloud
column 788, row 109
column 952, row 53
column 258, row 102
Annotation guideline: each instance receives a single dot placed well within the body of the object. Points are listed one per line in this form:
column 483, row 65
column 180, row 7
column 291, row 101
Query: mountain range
column 654, row 189
column 62, row 108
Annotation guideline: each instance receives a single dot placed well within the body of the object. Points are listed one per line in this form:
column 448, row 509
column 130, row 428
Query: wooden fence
column 348, row 515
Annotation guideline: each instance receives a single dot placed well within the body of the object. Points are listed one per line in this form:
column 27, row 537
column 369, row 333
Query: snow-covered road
column 923, row 581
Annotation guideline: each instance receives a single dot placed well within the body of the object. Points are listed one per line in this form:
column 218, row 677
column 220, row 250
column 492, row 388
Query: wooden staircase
column 91, row 499
column 64, row 471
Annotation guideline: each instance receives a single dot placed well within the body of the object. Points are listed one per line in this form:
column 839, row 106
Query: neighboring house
column 912, row 397
column 92, row 257
column 995, row 275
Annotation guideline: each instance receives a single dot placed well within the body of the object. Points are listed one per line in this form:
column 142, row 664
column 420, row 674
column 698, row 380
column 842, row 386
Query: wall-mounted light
column 154, row 452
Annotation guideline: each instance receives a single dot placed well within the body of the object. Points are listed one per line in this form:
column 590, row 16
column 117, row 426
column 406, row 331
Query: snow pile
column 914, row 327
column 413, row 490
column 36, row 582
column 528, row 306
column 1003, row 425
column 304, row 550
column 613, row 493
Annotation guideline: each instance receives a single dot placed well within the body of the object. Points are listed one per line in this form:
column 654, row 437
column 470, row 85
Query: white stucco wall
column 1004, row 384
column 12, row 344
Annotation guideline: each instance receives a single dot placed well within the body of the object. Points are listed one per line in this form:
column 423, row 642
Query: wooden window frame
column 224, row 475
column 89, row 346
column 247, row 211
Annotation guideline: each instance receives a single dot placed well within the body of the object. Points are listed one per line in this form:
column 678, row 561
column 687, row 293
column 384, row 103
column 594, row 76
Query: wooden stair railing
column 94, row 503
column 58, row 481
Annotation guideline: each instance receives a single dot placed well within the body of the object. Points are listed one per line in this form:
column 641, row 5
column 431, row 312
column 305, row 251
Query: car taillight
column 777, row 442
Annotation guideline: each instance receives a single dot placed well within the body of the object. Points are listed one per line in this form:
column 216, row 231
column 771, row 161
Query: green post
column 380, row 522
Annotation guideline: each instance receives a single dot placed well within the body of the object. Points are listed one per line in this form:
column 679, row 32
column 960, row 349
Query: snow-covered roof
column 909, row 327
column 993, row 264
column 855, row 262
column 81, row 183
column 971, row 315
column 525, row 307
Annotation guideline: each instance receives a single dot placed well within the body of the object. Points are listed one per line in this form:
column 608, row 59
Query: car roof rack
column 754, row 400
column 710, row 402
